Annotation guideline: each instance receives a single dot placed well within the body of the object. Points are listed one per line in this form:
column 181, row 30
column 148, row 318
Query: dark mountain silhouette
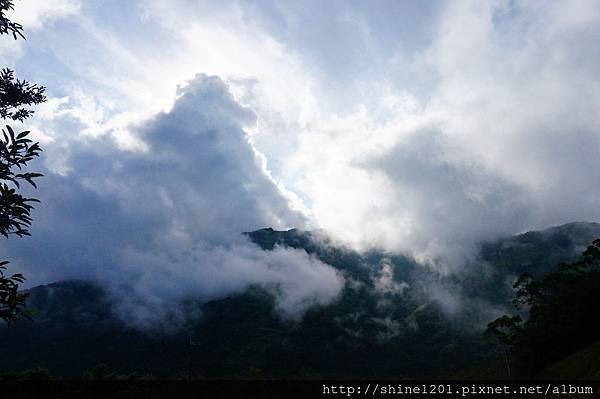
column 402, row 329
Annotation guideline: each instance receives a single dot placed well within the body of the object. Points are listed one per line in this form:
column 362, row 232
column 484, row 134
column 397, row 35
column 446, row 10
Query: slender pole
column 507, row 360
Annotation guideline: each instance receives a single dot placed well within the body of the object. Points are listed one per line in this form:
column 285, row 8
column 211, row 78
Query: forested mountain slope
column 392, row 319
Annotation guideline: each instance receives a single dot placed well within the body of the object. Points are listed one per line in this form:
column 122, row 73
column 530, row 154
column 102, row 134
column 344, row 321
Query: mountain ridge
column 366, row 332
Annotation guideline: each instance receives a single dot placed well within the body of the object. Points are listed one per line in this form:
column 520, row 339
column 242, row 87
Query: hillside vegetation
column 392, row 320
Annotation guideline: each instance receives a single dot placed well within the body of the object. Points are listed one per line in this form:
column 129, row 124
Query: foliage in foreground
column 16, row 150
column 562, row 309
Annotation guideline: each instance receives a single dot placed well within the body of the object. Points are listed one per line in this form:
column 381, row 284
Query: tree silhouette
column 6, row 25
column 16, row 150
column 15, row 94
column 562, row 308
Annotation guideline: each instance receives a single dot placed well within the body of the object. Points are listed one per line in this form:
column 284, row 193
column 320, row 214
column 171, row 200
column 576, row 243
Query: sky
column 418, row 127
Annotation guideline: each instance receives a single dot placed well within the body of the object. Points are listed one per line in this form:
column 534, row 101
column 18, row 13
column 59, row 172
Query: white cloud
column 33, row 14
column 164, row 225
column 384, row 282
column 504, row 138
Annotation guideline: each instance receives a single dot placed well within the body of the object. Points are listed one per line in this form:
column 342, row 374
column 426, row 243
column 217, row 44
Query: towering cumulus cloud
column 164, row 223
